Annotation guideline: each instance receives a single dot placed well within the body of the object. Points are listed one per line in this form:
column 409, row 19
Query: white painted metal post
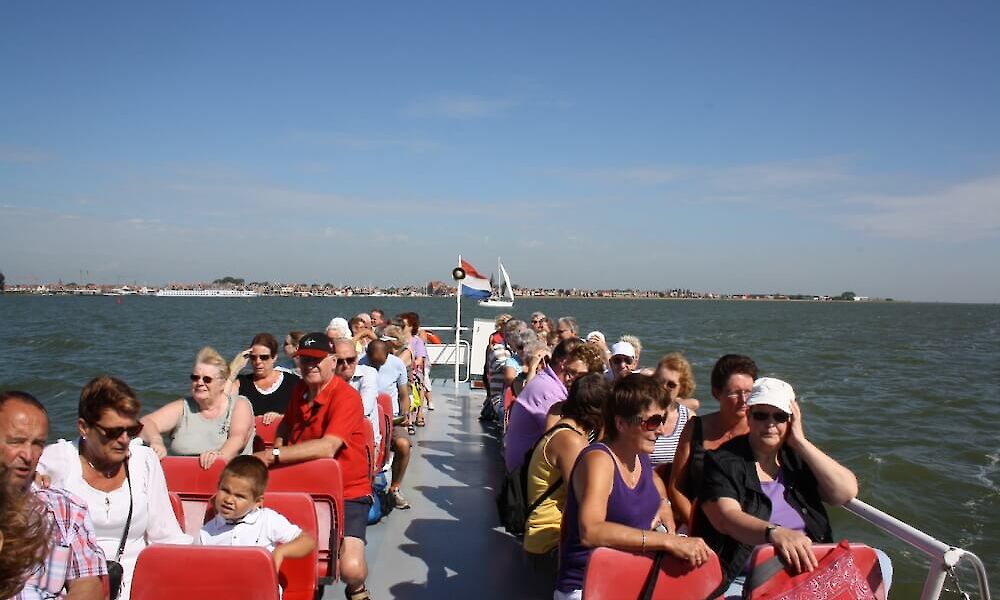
column 458, row 322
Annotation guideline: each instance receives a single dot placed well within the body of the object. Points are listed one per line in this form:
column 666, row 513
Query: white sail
column 502, row 296
column 506, row 290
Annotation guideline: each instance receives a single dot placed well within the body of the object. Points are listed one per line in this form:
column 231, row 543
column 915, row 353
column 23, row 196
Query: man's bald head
column 378, row 353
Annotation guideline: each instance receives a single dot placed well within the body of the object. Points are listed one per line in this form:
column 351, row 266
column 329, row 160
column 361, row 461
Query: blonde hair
column 634, row 341
column 209, row 356
column 26, row 529
column 675, row 361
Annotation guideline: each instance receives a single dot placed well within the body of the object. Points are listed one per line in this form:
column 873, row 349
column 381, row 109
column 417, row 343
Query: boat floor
column 450, row 543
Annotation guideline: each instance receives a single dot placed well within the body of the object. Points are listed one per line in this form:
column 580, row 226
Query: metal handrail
column 943, row 557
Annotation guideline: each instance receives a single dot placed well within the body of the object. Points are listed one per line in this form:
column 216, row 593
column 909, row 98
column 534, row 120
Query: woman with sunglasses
column 613, row 499
column 769, row 486
column 267, row 388
column 732, row 378
column 673, row 372
column 210, row 423
column 115, row 475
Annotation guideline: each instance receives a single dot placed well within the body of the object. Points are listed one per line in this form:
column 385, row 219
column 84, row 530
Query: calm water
column 903, row 394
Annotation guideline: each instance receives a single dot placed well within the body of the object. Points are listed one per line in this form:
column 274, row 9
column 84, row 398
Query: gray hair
column 537, row 315
column 571, row 323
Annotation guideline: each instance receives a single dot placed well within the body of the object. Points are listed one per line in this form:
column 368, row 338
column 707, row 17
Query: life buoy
column 430, row 338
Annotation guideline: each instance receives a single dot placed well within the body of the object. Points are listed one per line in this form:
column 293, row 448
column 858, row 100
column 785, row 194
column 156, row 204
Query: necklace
column 633, row 475
column 107, row 474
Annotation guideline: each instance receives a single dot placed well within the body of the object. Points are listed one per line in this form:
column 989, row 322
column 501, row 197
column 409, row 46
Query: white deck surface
column 449, row 545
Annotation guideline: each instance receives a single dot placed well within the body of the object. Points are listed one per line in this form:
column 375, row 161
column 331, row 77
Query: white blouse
column 153, row 519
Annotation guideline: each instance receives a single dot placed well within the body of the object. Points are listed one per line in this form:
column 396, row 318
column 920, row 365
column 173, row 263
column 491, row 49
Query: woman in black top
column 267, row 388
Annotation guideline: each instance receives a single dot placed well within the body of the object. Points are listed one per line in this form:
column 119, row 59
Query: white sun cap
column 772, row 392
column 622, row 349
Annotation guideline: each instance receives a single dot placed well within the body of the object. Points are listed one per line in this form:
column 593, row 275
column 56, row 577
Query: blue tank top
column 631, row 507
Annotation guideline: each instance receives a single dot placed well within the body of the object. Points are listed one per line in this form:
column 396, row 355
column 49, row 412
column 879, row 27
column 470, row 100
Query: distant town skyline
column 731, row 147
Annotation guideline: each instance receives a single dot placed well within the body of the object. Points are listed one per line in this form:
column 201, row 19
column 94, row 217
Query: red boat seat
column 322, row 480
column 263, row 438
column 864, row 558
column 193, row 485
column 616, row 575
column 169, row 571
column 370, row 445
column 177, row 504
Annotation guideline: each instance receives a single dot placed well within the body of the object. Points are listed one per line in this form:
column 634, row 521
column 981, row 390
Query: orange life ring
column 430, row 338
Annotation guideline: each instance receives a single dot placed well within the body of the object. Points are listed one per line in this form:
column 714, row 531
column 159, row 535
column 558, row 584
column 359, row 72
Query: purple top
column 630, row 507
column 782, row 513
column 417, row 348
column 527, row 415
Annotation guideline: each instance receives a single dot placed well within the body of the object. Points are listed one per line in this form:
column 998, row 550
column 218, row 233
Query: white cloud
column 961, row 212
column 463, row 106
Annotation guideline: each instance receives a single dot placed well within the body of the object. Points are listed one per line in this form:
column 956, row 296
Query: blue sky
column 729, row 147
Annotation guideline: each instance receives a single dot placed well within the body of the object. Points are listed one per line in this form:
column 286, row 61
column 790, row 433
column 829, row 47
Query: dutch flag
column 474, row 285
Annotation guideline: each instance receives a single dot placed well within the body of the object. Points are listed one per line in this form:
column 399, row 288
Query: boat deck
column 449, row 544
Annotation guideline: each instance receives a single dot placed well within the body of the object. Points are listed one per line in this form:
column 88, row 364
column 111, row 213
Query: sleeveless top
column 630, row 507
column 696, row 461
column 273, row 400
column 195, row 434
column 541, row 532
column 666, row 445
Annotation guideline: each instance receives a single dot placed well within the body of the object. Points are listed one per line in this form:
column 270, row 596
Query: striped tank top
column 666, row 445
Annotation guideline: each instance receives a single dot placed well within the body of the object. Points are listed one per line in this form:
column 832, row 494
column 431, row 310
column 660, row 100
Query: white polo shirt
column 260, row 527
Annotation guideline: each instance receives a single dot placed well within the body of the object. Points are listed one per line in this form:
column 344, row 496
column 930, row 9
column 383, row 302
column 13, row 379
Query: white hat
column 622, row 349
column 341, row 324
column 596, row 334
column 772, row 392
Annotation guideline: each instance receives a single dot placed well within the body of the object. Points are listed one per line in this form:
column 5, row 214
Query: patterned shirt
column 74, row 554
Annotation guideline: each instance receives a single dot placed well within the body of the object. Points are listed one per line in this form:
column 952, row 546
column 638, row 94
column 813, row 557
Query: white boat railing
column 451, row 354
column 944, row 558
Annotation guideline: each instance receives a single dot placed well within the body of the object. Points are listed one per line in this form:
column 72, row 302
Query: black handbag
column 115, row 570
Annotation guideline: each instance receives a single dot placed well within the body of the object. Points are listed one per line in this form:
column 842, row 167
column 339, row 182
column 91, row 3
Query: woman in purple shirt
column 613, row 499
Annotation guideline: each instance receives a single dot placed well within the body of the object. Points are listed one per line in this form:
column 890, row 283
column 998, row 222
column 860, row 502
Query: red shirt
column 337, row 412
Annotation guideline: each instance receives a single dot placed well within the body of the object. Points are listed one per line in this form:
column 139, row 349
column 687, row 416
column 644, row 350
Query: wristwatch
column 276, row 453
column 767, row 532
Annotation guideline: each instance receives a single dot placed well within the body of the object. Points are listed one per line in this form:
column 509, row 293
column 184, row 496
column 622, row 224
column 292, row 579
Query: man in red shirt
column 325, row 420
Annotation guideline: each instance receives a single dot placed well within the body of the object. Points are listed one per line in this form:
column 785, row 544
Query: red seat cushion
column 845, row 571
column 168, row 572
column 616, row 575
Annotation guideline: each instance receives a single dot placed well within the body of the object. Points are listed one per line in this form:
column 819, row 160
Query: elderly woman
column 210, row 423
column 614, row 500
column 267, row 388
column 552, row 460
column 768, row 487
column 732, row 380
column 120, row 480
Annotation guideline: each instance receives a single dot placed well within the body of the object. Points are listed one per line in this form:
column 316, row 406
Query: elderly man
column 378, row 320
column 538, row 321
column 568, row 328
column 623, row 360
column 325, row 419
column 338, row 328
column 392, row 380
column 75, row 564
column 362, row 378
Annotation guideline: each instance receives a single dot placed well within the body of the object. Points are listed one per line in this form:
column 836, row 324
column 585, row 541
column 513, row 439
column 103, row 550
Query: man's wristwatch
column 276, row 453
column 767, row 532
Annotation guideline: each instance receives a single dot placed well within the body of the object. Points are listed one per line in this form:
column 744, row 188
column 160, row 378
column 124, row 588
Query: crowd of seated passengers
column 117, row 487
column 680, row 446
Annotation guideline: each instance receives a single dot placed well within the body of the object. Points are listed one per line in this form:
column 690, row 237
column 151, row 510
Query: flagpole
column 458, row 323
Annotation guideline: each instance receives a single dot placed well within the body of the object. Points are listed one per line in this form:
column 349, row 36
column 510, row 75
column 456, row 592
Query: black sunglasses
column 204, row 378
column 113, row 433
column 778, row 417
column 651, row 423
column 625, row 360
column 349, row 360
column 259, row 356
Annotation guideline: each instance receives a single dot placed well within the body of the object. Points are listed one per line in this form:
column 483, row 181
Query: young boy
column 241, row 520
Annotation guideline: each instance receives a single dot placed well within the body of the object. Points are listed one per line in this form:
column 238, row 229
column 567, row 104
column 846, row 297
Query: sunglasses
column 536, row 321
column 347, row 360
column 261, row 357
column 651, row 423
column 777, row 417
column 624, row 360
column 203, row 378
column 113, row 433
column 671, row 385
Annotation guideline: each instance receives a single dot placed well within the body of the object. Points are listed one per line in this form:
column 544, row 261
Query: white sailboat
column 503, row 296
